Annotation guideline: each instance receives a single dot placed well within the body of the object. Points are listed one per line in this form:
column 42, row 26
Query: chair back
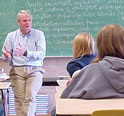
column 112, row 112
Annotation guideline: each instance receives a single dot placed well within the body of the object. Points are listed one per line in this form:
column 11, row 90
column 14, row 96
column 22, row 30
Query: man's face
column 25, row 23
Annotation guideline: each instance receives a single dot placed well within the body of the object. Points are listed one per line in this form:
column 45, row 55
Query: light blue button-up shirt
column 33, row 42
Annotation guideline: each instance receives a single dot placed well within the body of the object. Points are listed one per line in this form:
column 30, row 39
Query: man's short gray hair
column 26, row 12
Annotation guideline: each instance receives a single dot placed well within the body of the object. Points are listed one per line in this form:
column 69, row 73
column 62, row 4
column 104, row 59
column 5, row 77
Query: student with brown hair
column 104, row 78
column 83, row 52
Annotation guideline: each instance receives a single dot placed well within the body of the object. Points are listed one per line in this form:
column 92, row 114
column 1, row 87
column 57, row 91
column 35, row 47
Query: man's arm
column 6, row 53
column 6, row 49
column 41, row 49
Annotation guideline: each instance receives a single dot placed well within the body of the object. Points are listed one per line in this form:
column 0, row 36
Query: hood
column 113, row 69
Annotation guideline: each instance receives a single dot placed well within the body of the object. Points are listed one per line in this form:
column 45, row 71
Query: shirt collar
column 27, row 35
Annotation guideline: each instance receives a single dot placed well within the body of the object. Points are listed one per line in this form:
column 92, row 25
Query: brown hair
column 110, row 42
column 83, row 44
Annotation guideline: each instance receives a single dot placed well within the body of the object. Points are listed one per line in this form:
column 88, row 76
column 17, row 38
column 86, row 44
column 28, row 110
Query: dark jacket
column 99, row 80
column 79, row 63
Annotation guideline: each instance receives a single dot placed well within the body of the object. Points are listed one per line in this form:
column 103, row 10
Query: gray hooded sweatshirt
column 98, row 80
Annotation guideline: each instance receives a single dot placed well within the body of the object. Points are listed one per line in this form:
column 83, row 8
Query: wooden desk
column 86, row 107
column 59, row 90
column 4, row 90
column 4, row 85
column 62, row 82
column 83, row 107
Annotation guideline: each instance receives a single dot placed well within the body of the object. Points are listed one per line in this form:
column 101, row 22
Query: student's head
column 110, row 42
column 24, row 20
column 83, row 44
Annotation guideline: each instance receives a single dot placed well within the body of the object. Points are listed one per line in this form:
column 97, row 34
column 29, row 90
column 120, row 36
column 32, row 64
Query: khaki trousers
column 26, row 81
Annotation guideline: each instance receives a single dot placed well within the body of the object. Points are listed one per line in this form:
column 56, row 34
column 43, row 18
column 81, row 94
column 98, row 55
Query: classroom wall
column 54, row 66
column 62, row 20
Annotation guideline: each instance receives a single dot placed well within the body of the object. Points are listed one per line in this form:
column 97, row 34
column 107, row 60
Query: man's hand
column 6, row 53
column 19, row 51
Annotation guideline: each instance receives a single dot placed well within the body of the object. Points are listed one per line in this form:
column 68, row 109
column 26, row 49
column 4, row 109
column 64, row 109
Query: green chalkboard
column 62, row 20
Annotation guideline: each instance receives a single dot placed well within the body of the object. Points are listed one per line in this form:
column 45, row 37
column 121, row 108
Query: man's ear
column 18, row 23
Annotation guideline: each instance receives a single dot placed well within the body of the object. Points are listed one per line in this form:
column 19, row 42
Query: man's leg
column 18, row 86
column 33, row 84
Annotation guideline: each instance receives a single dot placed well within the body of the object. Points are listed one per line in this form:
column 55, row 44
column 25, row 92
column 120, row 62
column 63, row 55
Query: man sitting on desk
column 25, row 48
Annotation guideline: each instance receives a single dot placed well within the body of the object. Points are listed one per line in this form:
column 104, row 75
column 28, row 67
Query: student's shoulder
column 93, row 67
column 89, row 56
column 75, row 60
